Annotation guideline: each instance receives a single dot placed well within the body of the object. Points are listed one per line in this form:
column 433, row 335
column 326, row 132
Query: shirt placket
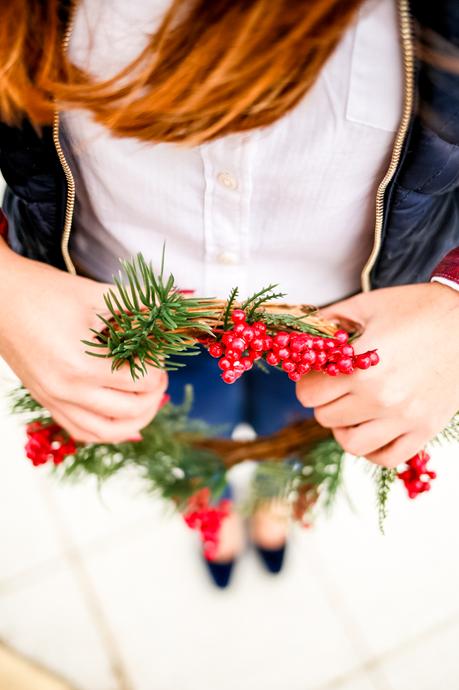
column 227, row 173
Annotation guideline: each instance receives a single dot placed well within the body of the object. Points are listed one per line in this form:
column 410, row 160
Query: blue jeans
column 266, row 401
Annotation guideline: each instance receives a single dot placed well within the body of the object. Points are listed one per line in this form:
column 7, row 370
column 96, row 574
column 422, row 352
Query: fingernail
column 164, row 400
column 136, row 437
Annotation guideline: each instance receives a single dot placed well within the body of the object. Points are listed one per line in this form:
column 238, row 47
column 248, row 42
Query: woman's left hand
column 389, row 412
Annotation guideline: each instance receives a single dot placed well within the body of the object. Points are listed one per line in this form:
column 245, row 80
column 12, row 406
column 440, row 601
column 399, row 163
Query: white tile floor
column 107, row 590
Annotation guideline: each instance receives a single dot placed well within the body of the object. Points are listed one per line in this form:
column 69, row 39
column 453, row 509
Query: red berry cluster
column 417, row 477
column 48, row 443
column 206, row 518
column 295, row 353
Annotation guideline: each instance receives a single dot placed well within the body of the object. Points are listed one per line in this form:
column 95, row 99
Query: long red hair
column 213, row 67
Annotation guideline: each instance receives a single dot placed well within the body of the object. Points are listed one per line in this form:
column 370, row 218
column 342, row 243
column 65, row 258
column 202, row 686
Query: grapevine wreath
column 150, row 322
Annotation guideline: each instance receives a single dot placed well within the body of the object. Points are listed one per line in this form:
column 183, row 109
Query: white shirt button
column 228, row 258
column 227, row 180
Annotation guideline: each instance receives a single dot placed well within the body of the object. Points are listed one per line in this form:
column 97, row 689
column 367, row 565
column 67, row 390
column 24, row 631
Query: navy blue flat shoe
column 273, row 559
column 220, row 572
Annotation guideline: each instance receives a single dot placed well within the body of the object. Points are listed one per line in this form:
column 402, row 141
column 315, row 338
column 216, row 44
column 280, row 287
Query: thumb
column 349, row 313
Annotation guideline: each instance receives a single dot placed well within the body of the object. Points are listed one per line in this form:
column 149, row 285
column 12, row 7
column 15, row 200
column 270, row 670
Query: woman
column 254, row 137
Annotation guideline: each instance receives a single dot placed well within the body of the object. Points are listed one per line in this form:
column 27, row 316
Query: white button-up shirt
column 291, row 203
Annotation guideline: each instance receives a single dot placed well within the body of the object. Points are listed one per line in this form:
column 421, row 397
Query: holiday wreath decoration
column 182, row 459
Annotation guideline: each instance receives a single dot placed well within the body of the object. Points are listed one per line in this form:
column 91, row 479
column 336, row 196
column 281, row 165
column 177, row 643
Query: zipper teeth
column 408, row 62
column 70, row 200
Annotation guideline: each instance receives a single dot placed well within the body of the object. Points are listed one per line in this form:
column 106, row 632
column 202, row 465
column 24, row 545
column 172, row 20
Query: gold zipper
column 70, row 200
column 408, row 100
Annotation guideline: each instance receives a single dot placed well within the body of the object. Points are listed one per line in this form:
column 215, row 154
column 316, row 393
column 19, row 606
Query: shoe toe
column 220, row 572
column 273, row 559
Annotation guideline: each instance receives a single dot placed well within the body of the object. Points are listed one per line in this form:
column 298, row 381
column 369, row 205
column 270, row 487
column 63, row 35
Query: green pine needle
column 385, row 477
column 229, row 307
column 144, row 315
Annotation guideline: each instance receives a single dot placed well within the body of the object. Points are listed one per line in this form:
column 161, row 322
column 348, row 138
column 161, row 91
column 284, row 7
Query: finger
column 353, row 308
column 398, row 451
column 103, row 429
column 76, row 432
column 114, row 404
column 367, row 438
column 317, row 388
column 121, row 379
column 349, row 410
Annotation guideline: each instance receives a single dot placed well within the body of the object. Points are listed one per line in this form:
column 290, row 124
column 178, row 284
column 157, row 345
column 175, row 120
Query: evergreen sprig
column 149, row 320
column 288, row 321
column 318, row 472
column 385, row 477
column 266, row 294
column 229, row 307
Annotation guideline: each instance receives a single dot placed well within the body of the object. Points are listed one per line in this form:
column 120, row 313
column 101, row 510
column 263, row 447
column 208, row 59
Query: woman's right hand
column 44, row 315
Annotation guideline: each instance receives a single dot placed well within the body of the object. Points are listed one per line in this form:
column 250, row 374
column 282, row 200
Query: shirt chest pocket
column 375, row 93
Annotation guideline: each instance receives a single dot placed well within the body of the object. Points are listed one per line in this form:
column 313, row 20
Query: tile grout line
column 376, row 660
column 73, row 557
column 51, row 564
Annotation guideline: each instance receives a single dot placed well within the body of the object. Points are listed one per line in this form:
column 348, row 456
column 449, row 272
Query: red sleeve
column 3, row 225
column 448, row 267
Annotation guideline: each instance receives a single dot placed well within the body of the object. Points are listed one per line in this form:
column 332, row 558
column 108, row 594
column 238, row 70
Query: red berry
column 332, row 369
column 405, row 476
column 247, row 363
column 267, row 343
column 215, row 350
column 288, row 366
column 284, row 353
column 282, row 338
column 232, row 355
column 321, row 359
column 254, row 354
column 257, row 344
column 239, row 329
column 303, row 368
column 227, row 338
column 248, row 334
column 334, row 356
column 259, row 328
column 294, row 376
column 238, row 345
column 418, row 463
column 238, row 316
column 374, row 358
column 224, row 364
column 347, row 350
column 272, row 359
column 238, row 366
column 362, row 361
column 329, row 344
column 345, row 365
column 341, row 336
column 319, row 344
column 295, row 356
column 297, row 344
column 309, row 356
column 229, row 376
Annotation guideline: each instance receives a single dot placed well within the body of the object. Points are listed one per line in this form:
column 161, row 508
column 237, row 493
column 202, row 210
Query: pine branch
column 287, row 321
column 22, row 403
column 264, row 295
column 323, row 467
column 385, row 477
column 229, row 307
column 149, row 320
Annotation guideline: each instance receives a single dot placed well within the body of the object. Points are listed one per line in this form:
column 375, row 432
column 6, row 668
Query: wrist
column 448, row 300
